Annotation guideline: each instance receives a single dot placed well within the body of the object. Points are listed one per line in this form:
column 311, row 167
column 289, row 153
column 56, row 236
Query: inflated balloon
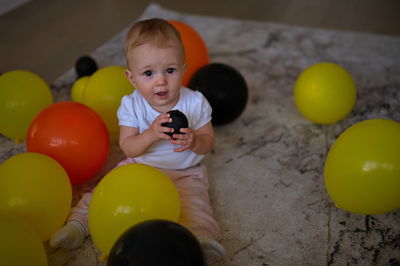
column 154, row 243
column 20, row 245
column 35, row 190
column 72, row 134
column 325, row 93
column 225, row 89
column 85, row 66
column 127, row 195
column 78, row 89
column 362, row 169
column 196, row 52
column 23, row 95
column 104, row 92
column 179, row 120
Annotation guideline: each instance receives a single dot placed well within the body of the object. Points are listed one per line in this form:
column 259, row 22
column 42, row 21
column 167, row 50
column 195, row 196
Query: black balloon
column 179, row 120
column 154, row 243
column 85, row 66
column 224, row 88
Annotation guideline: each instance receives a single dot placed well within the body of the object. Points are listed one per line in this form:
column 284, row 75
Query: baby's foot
column 70, row 236
column 213, row 250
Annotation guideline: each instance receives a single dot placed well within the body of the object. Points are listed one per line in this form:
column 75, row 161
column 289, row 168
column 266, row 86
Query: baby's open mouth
column 161, row 94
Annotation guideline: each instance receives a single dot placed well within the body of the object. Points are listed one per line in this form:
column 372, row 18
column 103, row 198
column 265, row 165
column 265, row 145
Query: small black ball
column 154, row 243
column 179, row 120
column 224, row 88
column 85, row 66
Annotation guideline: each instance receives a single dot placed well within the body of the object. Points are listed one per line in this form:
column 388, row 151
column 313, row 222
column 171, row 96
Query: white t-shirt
column 135, row 111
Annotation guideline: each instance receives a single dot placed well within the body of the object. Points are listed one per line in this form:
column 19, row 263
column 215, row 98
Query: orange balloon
column 72, row 134
column 196, row 52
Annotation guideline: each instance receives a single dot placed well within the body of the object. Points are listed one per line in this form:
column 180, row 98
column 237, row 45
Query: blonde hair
column 156, row 31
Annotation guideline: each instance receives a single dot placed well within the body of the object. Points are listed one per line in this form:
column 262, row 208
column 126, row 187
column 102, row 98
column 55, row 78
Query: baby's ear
column 129, row 76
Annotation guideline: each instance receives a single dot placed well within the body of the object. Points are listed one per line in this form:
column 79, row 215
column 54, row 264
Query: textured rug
column 266, row 171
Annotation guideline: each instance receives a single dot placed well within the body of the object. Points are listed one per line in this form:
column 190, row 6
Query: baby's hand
column 185, row 140
column 157, row 131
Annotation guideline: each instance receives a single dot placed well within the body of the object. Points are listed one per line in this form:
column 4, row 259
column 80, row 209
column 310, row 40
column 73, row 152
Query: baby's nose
column 161, row 79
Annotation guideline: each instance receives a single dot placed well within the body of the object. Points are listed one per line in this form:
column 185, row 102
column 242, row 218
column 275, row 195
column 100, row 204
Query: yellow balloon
column 325, row 93
column 20, row 245
column 362, row 169
column 78, row 89
column 104, row 92
column 23, row 95
column 36, row 190
column 127, row 195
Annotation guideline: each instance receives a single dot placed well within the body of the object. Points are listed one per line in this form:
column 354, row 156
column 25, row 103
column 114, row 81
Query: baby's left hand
column 185, row 140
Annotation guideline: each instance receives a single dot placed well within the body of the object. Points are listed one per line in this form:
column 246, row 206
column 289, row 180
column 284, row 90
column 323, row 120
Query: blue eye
column 171, row 70
column 148, row 73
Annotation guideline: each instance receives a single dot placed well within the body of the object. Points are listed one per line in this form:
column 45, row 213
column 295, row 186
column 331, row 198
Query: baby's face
column 157, row 73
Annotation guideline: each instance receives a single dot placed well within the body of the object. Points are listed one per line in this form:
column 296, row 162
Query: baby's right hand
column 157, row 130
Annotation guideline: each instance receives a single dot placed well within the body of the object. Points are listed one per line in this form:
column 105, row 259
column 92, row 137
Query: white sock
column 213, row 250
column 70, row 236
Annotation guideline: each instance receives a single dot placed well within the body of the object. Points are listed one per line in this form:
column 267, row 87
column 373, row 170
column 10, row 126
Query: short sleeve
column 203, row 116
column 126, row 115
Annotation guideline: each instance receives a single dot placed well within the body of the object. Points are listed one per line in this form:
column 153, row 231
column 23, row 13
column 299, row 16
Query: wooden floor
column 47, row 36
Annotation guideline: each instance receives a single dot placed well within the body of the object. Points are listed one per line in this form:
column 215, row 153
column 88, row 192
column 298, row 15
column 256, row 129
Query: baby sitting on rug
column 156, row 63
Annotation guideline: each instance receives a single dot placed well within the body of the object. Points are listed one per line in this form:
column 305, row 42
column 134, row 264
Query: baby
column 156, row 63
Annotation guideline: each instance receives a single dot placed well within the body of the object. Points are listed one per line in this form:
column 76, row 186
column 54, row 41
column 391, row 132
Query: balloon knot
column 103, row 257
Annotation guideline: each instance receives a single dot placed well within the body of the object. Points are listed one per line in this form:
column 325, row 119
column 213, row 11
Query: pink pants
column 192, row 185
